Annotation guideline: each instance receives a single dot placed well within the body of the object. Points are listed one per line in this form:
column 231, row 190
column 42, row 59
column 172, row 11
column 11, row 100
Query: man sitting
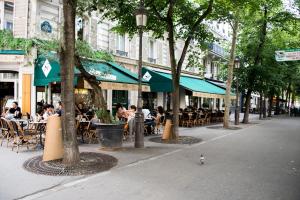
column 14, row 112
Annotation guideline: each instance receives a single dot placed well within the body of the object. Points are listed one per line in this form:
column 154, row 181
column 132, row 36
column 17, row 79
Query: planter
column 111, row 135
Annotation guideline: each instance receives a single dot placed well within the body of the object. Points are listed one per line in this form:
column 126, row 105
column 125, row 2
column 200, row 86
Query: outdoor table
column 39, row 127
column 21, row 122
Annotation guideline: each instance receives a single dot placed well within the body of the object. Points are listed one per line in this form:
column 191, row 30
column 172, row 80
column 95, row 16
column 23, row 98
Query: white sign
column 102, row 75
column 287, row 55
column 46, row 68
column 147, row 76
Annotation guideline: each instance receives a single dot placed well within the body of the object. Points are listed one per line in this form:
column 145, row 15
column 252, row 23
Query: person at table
column 148, row 120
column 14, row 112
column 79, row 109
column 59, row 109
column 131, row 119
column 121, row 113
column 48, row 111
column 160, row 114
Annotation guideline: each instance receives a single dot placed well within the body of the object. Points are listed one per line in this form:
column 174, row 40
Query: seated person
column 121, row 113
column 48, row 111
column 59, row 109
column 89, row 114
column 14, row 112
column 148, row 120
column 79, row 109
column 131, row 119
column 160, row 114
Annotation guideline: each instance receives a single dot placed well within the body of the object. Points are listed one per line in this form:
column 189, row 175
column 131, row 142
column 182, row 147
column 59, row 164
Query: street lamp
column 237, row 107
column 141, row 20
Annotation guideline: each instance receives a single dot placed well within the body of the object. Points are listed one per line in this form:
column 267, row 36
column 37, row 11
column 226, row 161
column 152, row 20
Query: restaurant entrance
column 6, row 93
column 119, row 96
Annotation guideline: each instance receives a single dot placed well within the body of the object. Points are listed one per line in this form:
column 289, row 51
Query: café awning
column 113, row 76
column 47, row 70
column 162, row 82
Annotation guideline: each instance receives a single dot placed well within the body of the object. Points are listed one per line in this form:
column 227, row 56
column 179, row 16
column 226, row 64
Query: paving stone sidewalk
column 17, row 183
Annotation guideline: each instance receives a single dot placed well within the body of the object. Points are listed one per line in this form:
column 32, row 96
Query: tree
column 262, row 18
column 180, row 19
column 230, row 12
column 67, row 54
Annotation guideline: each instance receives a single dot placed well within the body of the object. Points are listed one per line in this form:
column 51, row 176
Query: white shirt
column 147, row 114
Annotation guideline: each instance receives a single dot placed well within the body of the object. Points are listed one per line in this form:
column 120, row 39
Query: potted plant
column 109, row 130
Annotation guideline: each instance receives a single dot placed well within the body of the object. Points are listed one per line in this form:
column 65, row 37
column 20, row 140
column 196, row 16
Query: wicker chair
column 202, row 119
column 90, row 133
column 21, row 137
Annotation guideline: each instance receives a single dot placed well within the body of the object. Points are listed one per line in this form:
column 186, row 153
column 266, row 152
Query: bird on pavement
column 201, row 159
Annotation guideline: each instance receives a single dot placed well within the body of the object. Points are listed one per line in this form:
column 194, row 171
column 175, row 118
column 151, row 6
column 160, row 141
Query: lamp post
column 237, row 107
column 141, row 20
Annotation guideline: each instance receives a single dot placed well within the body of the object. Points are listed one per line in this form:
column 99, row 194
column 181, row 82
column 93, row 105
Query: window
column 151, row 49
column 8, row 6
column 120, row 46
column 121, row 42
column 212, row 68
column 9, row 26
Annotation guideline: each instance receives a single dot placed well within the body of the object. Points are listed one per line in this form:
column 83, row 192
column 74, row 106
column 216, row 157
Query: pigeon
column 201, row 159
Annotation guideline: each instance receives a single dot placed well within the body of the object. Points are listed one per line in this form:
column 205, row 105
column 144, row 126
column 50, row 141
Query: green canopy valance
column 162, row 82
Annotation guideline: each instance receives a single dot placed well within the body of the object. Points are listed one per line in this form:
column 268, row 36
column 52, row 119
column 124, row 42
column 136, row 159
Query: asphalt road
column 258, row 162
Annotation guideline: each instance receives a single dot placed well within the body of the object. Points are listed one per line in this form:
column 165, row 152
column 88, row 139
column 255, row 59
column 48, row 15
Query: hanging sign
column 46, row 27
column 147, row 76
column 46, row 68
column 287, row 55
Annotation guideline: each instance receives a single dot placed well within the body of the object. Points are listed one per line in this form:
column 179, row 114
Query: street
column 260, row 161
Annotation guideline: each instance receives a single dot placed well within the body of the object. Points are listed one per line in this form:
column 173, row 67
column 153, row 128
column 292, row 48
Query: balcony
column 122, row 53
column 218, row 50
column 152, row 60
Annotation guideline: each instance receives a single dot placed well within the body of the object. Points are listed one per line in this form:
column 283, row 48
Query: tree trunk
column 175, row 108
column 264, row 108
column 230, row 72
column 270, row 105
column 257, row 60
column 260, row 105
column 247, row 105
column 98, row 99
column 71, row 151
column 277, row 109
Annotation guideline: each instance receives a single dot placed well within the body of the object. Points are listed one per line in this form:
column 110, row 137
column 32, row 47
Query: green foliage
column 266, row 75
column 8, row 42
column 105, row 117
column 84, row 50
column 185, row 14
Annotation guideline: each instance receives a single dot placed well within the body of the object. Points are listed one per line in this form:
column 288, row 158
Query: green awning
column 47, row 70
column 113, row 76
column 13, row 52
column 162, row 82
column 109, row 72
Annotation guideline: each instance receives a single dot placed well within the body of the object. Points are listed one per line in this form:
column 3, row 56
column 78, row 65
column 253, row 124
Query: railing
column 122, row 53
column 152, row 60
column 217, row 49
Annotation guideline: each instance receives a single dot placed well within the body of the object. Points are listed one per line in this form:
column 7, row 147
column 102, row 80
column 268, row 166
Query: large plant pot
column 111, row 135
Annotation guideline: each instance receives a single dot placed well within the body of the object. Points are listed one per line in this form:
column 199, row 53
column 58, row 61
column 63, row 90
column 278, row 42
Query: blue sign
column 46, row 27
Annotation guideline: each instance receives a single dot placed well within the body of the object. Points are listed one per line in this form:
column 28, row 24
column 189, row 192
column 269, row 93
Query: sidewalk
column 17, row 182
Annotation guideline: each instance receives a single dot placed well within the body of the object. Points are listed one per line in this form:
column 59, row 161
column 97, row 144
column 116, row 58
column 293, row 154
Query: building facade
column 43, row 19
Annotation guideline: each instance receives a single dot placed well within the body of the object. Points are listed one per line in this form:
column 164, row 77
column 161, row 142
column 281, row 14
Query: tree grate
column 90, row 163
column 181, row 140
